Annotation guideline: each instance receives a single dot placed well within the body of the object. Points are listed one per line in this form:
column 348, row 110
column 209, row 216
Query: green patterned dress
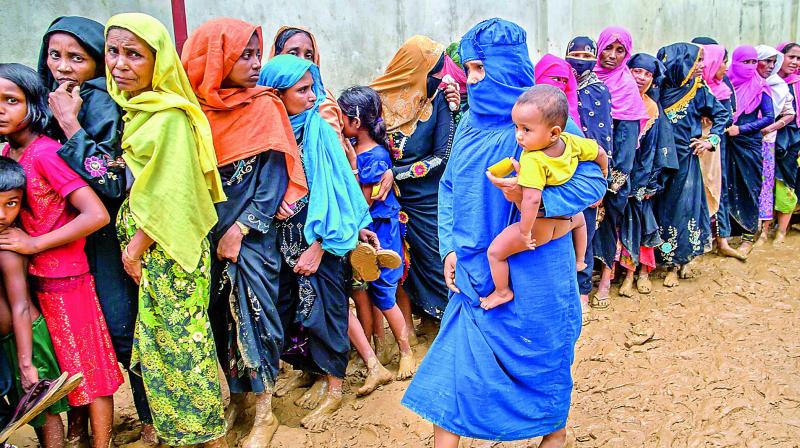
column 173, row 347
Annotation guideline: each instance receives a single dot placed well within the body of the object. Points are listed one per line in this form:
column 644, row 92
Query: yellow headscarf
column 167, row 145
column 403, row 86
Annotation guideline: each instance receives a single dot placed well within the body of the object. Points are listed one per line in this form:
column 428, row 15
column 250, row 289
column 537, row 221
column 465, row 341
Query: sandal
column 599, row 303
column 389, row 259
column 41, row 396
column 364, row 261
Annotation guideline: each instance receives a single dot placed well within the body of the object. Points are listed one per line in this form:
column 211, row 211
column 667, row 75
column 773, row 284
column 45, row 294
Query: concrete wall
column 358, row 37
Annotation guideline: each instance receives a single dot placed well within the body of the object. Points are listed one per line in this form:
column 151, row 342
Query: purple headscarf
column 626, row 101
column 747, row 83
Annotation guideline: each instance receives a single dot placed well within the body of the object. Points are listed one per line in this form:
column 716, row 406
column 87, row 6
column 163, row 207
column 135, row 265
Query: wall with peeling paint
column 358, row 37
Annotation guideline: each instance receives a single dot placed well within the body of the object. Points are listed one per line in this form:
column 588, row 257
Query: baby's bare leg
column 579, row 240
column 506, row 244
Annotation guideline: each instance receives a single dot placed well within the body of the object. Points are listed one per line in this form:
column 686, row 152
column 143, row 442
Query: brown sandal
column 364, row 261
column 389, row 259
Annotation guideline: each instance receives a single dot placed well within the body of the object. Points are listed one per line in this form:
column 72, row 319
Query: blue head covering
column 336, row 206
column 652, row 65
column 582, row 43
column 502, row 47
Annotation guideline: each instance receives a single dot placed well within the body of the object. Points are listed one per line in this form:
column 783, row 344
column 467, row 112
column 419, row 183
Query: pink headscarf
column 714, row 55
column 792, row 81
column 749, row 85
column 626, row 101
column 552, row 66
column 794, row 77
column 458, row 73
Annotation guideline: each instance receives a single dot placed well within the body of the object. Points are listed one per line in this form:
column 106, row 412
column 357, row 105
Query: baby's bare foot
column 497, row 298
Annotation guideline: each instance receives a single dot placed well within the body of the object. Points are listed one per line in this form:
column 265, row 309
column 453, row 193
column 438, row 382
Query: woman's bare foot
column 626, row 289
column 234, row 409
column 671, row 280
column 746, row 247
column 264, row 425
column 643, row 284
column 686, row 272
column 312, row 397
column 377, row 376
column 427, row 326
column 148, row 435
column 726, row 250
column 408, row 365
column 315, row 421
column 497, row 298
column 762, row 239
column 556, row 439
column 299, row 380
column 780, row 239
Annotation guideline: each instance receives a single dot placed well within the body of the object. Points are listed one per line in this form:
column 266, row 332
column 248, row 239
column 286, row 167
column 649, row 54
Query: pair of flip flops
column 367, row 261
column 41, row 396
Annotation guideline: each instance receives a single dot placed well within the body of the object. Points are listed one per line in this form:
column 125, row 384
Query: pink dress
column 60, row 276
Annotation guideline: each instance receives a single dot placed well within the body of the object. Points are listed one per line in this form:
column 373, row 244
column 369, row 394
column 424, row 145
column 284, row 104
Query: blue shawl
column 336, row 207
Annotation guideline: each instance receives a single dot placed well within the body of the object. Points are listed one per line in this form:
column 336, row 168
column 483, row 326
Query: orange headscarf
column 403, row 86
column 301, row 28
column 244, row 121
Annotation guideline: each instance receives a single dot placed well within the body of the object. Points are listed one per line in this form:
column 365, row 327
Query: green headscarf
column 168, row 147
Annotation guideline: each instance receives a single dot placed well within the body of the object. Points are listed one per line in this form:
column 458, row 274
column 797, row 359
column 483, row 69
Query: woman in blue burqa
column 502, row 374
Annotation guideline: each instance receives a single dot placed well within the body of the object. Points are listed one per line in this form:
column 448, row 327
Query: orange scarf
column 244, row 121
column 403, row 86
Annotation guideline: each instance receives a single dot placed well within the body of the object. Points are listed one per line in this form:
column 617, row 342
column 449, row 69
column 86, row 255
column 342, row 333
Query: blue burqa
column 502, row 374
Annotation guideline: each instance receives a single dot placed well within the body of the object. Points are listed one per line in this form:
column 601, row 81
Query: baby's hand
column 529, row 241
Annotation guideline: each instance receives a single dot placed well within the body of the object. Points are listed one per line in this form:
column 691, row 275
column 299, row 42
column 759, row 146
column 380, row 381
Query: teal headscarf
column 336, row 206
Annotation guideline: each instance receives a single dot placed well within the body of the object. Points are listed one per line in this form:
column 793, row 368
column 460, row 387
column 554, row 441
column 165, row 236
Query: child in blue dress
column 361, row 106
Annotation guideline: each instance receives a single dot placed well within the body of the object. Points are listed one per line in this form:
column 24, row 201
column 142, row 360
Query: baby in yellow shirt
column 549, row 157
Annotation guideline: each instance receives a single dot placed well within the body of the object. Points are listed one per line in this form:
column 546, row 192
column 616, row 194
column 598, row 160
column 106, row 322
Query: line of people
column 172, row 213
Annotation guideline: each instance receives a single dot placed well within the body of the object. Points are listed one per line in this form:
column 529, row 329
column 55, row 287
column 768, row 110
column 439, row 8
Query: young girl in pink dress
column 59, row 211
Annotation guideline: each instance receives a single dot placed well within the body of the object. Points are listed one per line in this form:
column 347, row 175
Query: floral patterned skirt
column 766, row 200
column 173, row 348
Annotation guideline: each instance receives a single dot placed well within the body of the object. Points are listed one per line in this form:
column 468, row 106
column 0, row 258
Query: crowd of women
column 237, row 191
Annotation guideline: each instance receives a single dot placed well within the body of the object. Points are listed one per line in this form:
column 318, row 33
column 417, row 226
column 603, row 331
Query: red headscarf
column 244, row 121
column 550, row 67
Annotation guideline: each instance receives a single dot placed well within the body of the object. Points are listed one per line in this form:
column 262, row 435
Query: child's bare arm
column 366, row 190
column 12, row 266
column 602, row 160
column 529, row 207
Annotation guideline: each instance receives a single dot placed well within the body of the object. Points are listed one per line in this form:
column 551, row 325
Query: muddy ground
column 714, row 362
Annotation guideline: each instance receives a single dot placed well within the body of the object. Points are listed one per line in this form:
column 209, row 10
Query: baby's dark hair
column 364, row 103
column 280, row 42
column 788, row 47
column 12, row 176
column 550, row 101
column 35, row 92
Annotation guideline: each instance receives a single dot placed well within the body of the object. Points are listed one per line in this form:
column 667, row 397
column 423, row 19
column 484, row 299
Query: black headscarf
column 678, row 59
column 702, row 40
column 89, row 34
